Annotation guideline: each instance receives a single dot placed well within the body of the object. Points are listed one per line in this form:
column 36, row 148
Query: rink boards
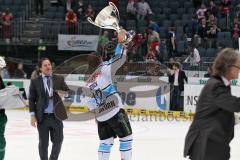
column 140, row 95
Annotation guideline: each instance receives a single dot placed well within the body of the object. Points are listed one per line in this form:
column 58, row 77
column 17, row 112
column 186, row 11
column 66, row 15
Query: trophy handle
column 115, row 9
column 92, row 22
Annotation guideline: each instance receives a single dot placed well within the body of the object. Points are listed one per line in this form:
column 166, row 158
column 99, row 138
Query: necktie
column 48, row 84
column 48, row 81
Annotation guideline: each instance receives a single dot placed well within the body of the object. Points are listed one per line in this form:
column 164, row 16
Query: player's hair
column 224, row 60
column 41, row 61
column 176, row 64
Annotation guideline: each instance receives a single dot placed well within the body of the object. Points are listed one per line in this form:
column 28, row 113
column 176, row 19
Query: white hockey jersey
column 103, row 96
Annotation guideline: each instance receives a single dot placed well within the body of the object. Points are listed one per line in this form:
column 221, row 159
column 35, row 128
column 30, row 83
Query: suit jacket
column 214, row 119
column 181, row 77
column 38, row 98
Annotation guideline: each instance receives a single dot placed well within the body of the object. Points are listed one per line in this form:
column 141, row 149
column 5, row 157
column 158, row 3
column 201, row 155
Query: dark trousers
column 3, row 121
column 175, row 99
column 54, row 127
column 39, row 6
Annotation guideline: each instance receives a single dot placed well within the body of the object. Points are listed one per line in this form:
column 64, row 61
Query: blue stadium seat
column 174, row 6
column 163, row 32
column 211, row 52
column 186, row 17
column 178, row 23
column 167, row 11
column 167, row 23
column 173, row 17
column 161, row 17
column 187, row 4
column 222, row 23
column 180, row 11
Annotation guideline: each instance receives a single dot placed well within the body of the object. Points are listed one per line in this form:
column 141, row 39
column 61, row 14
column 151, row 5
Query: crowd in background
column 200, row 31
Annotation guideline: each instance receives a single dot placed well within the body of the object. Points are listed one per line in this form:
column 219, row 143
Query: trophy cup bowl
column 107, row 18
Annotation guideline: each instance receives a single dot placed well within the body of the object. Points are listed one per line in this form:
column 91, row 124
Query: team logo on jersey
column 98, row 96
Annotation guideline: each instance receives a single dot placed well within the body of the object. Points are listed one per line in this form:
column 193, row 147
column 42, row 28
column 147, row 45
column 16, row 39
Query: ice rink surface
column 152, row 140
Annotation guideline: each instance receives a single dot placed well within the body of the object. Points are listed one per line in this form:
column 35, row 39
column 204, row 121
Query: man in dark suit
column 47, row 109
column 213, row 126
column 176, row 79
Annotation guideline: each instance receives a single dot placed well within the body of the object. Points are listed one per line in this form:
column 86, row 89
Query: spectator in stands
column 103, row 41
column 7, row 18
column 71, row 5
column 191, row 27
column 202, row 32
column 90, row 12
column 211, row 20
column 153, row 69
column 176, row 79
column 235, row 33
column 143, row 10
column 71, row 20
column 157, row 70
column 80, row 10
column 35, row 73
column 136, row 51
column 132, row 9
column 201, row 12
column 194, row 56
column 19, row 72
column 154, row 26
column 171, row 43
column 213, row 9
column 5, row 73
column 225, row 7
column 212, row 35
column 150, row 69
column 1, row 25
column 152, row 44
column 39, row 7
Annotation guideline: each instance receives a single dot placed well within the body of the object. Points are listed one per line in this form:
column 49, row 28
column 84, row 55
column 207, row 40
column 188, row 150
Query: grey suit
column 213, row 126
column 48, row 123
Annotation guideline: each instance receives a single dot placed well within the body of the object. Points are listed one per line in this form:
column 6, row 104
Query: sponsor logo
column 159, row 97
column 79, row 43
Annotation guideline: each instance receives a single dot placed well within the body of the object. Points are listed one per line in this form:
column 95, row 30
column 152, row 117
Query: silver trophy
column 107, row 18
